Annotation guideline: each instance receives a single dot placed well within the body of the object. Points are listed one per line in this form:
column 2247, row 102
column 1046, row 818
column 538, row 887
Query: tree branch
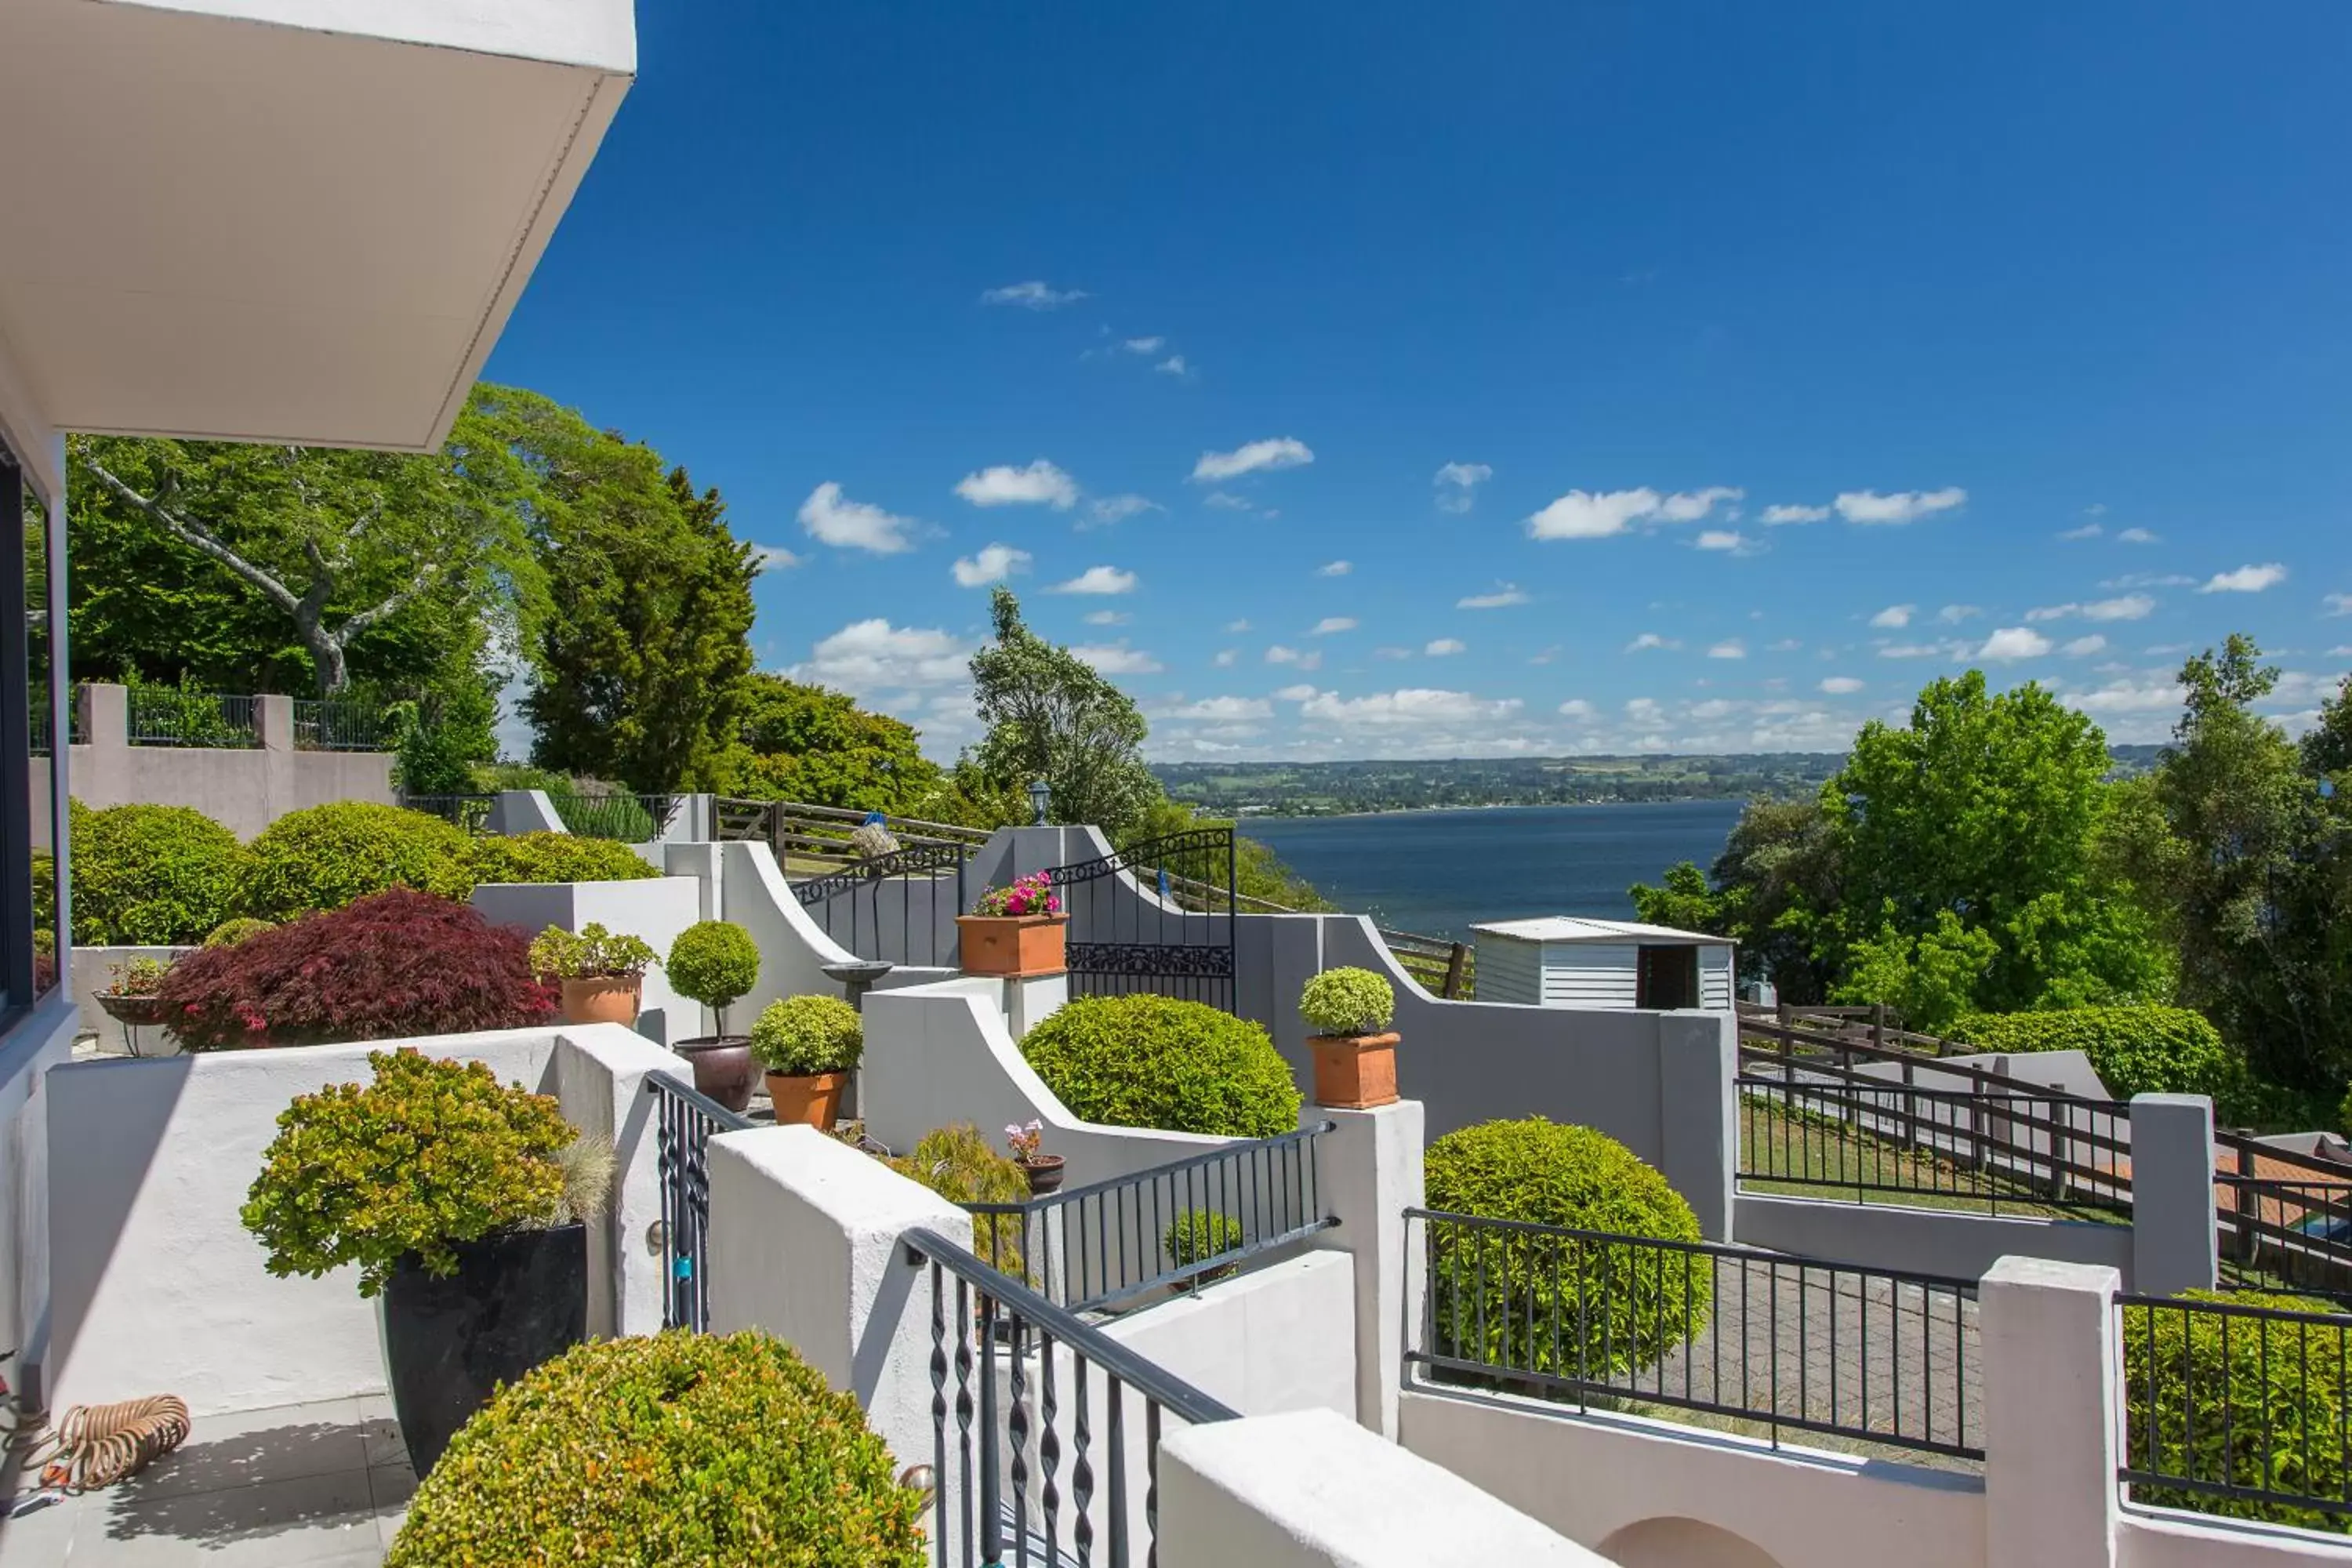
column 360, row 622
column 197, row 537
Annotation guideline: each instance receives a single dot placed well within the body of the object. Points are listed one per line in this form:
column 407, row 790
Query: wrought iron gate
column 900, row 908
column 1155, row 917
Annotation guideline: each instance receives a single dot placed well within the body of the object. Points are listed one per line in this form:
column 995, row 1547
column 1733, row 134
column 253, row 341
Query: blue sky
column 1373, row 380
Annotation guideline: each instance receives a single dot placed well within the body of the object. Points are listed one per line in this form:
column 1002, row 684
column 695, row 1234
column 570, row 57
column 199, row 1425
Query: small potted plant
column 713, row 962
column 1045, row 1171
column 131, row 999
column 463, row 1203
column 808, row 1045
column 602, row 972
column 1016, row 930
column 1355, row 1054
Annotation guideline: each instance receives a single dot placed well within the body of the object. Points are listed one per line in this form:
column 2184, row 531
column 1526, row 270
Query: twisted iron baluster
column 1020, row 1424
column 1049, row 1451
column 1082, row 1474
column 939, row 1410
column 964, row 1414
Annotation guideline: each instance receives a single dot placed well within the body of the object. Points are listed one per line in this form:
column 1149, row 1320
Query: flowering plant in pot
column 808, row 1045
column 602, row 972
column 463, row 1204
column 131, row 999
column 715, row 962
column 1045, row 1171
column 1016, row 930
column 1355, row 1054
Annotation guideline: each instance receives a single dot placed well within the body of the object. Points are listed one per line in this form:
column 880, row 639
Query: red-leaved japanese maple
column 400, row 963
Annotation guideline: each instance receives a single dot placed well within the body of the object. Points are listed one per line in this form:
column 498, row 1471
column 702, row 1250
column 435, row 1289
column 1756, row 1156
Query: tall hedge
column 1515, row 1299
column 541, row 858
column 327, row 856
column 1153, row 1061
column 2135, row 1050
column 151, row 876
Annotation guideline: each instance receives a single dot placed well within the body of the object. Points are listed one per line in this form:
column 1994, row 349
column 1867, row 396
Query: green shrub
column 801, row 1036
column 2135, row 1050
column 229, row 933
column 432, row 1154
column 542, row 857
column 2286, row 1393
column 590, row 954
column 327, row 856
column 1199, row 1233
column 151, row 876
column 1633, row 1310
column 963, row 1167
column 1152, row 1061
column 713, row 961
column 727, row 1451
column 1348, row 1002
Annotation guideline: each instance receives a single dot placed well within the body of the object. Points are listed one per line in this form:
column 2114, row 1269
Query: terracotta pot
column 1045, row 1173
column 722, row 1067
column 1013, row 946
column 810, row 1101
column 1354, row 1072
column 602, row 999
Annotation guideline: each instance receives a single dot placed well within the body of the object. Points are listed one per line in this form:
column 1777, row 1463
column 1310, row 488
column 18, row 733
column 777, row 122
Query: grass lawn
column 1801, row 1154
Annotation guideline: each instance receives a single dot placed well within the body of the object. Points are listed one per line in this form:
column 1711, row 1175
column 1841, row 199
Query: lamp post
column 1041, row 797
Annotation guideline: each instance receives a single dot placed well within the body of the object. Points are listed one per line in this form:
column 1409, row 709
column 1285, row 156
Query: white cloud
column 1097, row 580
column 2130, row 607
column 1237, row 626
column 1106, row 618
column 1174, row 366
column 1255, row 458
column 774, row 558
column 1692, row 506
column 1117, row 659
column 1226, row 658
column 1225, row 500
column 1734, row 648
column 2135, row 536
column 1904, row 506
column 1391, row 651
column 1786, row 645
column 1117, row 508
column 1446, row 648
column 1781, row 516
column 1457, row 484
column 1923, row 650
column 2339, row 604
column 1598, row 514
column 1729, row 539
column 2161, row 694
column 1841, row 685
column 2149, row 580
column 1310, row 660
column 1033, row 295
column 1225, row 710
column 1299, row 693
column 2246, row 580
column 1894, row 618
column 873, row 656
column 1505, row 596
column 1576, row 708
column 1408, row 705
column 1953, row 614
column 2083, row 646
column 2014, row 642
column 1648, row 640
column 834, row 518
column 992, row 562
column 1330, row 624
column 1041, row 483
column 1143, row 345
column 1335, row 569
column 2088, row 531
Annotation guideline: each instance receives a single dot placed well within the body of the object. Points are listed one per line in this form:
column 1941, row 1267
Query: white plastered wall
column 656, row 909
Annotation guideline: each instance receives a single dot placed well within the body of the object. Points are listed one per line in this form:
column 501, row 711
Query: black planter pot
column 1045, row 1173
column 517, row 1300
column 723, row 1067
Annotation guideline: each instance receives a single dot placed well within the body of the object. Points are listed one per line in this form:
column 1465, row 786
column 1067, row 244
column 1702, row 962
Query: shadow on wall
column 1683, row 1543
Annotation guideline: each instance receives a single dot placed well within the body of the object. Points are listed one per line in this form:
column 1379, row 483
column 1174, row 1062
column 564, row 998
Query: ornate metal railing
column 1132, row 929
column 1019, row 1385
column 174, row 716
column 685, row 1121
column 337, row 724
column 899, row 908
column 1193, row 1219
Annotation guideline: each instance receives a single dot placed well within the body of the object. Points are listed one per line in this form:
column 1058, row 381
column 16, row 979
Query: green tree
column 1051, row 716
column 640, row 660
column 1775, row 890
column 1929, row 978
column 806, row 743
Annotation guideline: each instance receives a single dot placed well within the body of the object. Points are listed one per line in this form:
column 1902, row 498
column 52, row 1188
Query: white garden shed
column 1566, row 961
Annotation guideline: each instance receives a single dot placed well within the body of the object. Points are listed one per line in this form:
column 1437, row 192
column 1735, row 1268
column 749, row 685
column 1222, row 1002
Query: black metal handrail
column 1877, row 1356
column 337, row 724
column 918, row 890
column 471, row 812
column 1111, row 1241
column 2237, row 1409
column 1036, row 1382
column 624, row 818
column 686, row 1121
column 172, row 716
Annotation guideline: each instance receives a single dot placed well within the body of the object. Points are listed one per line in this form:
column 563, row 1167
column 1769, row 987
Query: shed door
column 1666, row 977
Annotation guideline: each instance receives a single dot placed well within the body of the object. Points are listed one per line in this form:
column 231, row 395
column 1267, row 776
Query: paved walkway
column 303, row 1486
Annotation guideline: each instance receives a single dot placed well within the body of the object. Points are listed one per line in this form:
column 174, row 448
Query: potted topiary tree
column 602, row 972
column 808, row 1045
column 1355, row 1054
column 1015, row 931
column 715, row 962
column 463, row 1202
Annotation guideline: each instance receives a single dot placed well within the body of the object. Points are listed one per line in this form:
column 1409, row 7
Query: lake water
column 1436, row 871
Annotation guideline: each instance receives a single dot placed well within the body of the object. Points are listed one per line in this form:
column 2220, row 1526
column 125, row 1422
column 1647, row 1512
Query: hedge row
column 2135, row 1050
column 166, row 875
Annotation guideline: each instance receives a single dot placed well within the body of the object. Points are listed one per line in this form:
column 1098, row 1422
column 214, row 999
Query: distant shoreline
column 1245, row 816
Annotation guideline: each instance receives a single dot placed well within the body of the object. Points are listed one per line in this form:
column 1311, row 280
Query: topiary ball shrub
column 2135, row 1050
column 802, row 1036
column 390, row 966
column 964, row 1168
column 1153, row 1061
column 229, row 933
column 713, row 961
column 2285, row 1388
column 327, row 856
column 1344, row 1001
column 541, row 858
column 727, row 1451
column 1497, row 1294
column 151, row 876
